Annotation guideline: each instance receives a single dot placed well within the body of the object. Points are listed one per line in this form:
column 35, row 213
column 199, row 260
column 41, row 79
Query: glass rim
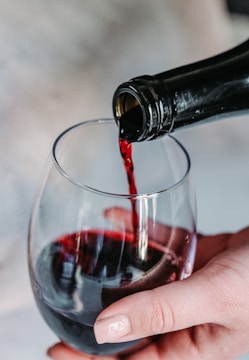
column 106, row 193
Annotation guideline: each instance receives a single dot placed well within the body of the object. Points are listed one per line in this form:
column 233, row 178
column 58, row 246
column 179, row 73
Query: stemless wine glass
column 83, row 251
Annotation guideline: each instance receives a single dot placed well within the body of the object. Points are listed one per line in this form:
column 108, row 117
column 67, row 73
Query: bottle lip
column 126, row 98
column 145, row 92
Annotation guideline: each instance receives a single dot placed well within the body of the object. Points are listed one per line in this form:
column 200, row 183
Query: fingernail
column 112, row 329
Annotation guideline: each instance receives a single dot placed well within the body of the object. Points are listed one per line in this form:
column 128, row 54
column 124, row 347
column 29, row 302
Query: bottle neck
column 183, row 96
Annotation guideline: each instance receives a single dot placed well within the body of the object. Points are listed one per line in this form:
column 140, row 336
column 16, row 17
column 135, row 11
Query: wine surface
column 80, row 274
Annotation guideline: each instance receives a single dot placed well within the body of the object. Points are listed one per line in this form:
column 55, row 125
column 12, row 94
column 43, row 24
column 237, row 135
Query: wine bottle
column 147, row 107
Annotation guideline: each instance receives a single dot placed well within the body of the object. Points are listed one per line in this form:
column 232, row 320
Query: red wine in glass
column 78, row 282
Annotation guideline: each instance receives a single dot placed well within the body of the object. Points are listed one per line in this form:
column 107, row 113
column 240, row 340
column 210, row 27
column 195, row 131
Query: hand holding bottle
column 202, row 317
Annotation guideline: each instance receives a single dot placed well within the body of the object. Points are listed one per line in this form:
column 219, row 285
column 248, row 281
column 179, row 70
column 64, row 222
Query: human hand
column 202, row 317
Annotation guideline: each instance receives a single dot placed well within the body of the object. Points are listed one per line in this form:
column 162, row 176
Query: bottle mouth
column 141, row 109
column 129, row 114
column 124, row 102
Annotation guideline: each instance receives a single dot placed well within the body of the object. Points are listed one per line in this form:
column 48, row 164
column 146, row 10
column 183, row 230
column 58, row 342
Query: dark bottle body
column 150, row 106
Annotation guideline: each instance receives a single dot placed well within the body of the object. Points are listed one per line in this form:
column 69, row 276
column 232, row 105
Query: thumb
column 164, row 309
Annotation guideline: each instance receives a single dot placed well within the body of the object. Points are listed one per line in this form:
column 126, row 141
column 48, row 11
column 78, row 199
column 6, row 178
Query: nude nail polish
column 112, row 329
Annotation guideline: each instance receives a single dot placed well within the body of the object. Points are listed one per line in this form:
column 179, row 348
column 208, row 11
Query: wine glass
column 83, row 251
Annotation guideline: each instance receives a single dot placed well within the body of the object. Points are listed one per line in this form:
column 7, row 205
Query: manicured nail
column 112, row 329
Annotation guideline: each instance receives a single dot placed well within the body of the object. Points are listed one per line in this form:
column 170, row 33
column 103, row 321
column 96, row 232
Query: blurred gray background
column 60, row 62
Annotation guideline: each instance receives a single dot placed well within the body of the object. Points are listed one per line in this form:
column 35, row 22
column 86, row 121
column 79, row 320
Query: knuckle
column 162, row 315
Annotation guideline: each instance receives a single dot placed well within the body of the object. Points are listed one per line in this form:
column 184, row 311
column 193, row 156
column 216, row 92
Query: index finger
column 62, row 352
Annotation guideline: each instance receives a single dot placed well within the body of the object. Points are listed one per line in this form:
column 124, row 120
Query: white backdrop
column 60, row 63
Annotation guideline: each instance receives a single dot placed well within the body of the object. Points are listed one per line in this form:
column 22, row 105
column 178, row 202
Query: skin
column 205, row 316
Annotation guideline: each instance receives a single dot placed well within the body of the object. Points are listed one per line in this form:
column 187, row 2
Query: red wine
column 126, row 153
column 80, row 274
